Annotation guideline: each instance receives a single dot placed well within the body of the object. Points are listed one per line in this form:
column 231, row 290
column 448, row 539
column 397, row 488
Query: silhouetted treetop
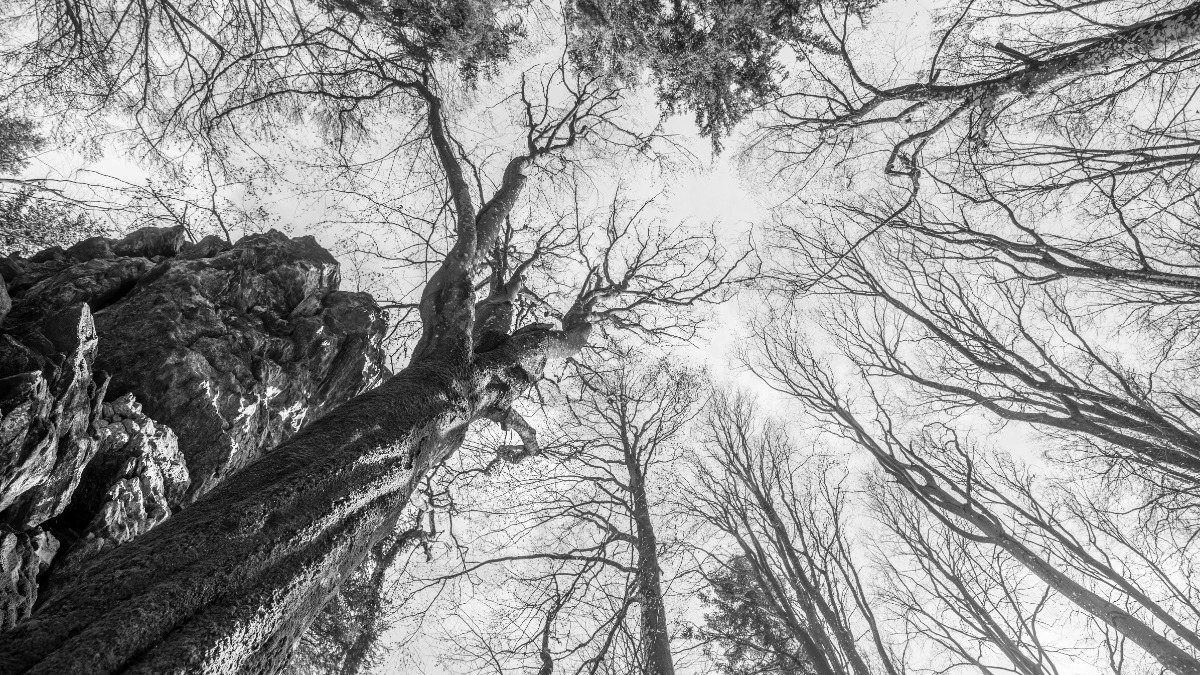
column 716, row 59
column 475, row 34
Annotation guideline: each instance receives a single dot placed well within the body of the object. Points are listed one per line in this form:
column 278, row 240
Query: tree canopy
column 951, row 425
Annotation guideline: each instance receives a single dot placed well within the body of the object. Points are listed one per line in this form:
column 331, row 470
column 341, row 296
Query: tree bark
column 656, row 637
column 229, row 584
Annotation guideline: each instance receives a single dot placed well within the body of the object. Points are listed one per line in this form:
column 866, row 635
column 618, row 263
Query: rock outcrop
column 235, row 349
column 136, row 374
column 49, row 401
column 137, row 478
column 23, row 557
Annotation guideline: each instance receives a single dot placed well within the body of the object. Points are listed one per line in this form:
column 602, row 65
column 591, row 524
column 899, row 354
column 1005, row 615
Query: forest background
column 901, row 375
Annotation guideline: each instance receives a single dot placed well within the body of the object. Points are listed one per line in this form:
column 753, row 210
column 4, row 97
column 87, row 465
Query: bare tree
column 998, row 508
column 1054, row 142
column 792, row 534
column 1063, row 50
column 979, row 606
column 579, row 530
column 971, row 335
column 233, row 581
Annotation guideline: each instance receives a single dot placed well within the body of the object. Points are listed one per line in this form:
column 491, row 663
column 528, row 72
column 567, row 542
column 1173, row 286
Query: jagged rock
column 47, row 432
column 205, row 248
column 95, row 282
column 151, row 242
column 237, row 350
column 52, row 254
column 91, row 248
column 23, row 556
column 229, row 348
column 132, row 485
column 5, row 301
column 48, row 403
column 110, row 268
column 233, row 347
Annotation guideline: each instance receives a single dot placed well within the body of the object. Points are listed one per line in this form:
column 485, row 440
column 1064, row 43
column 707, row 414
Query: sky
column 708, row 189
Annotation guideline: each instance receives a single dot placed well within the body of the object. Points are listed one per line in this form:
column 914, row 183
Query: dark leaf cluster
column 475, row 34
column 18, row 140
column 745, row 638
column 30, row 223
column 715, row 59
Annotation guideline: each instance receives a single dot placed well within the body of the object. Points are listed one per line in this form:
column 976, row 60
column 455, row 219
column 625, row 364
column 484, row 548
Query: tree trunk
column 230, row 583
column 656, row 638
column 1166, row 652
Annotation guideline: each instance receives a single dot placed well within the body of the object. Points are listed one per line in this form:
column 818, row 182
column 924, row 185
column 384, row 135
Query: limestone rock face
column 23, row 555
column 237, row 350
column 208, row 355
column 49, row 406
column 134, row 483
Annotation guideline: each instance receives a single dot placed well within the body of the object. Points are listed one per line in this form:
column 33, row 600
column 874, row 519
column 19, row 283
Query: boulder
column 237, row 350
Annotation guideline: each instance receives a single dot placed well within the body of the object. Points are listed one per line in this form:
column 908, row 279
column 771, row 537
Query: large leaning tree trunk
column 230, row 583
column 138, row 373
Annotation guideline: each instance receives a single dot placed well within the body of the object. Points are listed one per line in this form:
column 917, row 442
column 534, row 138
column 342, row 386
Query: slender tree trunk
column 656, row 638
column 805, row 587
column 815, row 645
column 230, row 583
column 1166, row 652
column 1170, row 655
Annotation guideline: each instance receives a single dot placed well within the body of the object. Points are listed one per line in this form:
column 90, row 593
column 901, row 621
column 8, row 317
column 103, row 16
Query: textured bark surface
column 231, row 582
column 235, row 345
column 228, row 584
column 656, row 635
